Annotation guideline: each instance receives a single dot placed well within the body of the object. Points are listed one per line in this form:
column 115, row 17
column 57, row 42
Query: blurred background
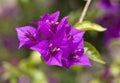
column 25, row 66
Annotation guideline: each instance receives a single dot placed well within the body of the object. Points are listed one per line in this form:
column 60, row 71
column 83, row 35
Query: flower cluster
column 58, row 43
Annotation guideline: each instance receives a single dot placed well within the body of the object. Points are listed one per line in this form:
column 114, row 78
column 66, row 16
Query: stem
column 84, row 10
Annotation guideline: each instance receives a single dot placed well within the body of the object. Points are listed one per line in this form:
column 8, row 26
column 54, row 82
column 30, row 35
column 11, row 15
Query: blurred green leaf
column 77, row 68
column 95, row 81
column 11, row 70
column 26, row 67
column 118, row 80
column 115, row 42
column 73, row 16
column 39, row 77
column 92, row 53
column 35, row 57
column 87, row 26
column 115, row 68
column 13, row 80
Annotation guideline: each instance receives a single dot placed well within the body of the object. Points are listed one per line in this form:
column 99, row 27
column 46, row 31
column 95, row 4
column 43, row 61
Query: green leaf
column 87, row 26
column 92, row 53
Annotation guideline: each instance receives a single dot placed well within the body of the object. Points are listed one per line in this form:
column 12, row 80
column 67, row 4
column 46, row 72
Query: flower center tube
column 29, row 35
column 70, row 36
column 74, row 56
column 52, row 49
column 53, row 25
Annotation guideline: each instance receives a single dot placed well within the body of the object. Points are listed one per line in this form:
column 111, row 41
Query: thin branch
column 84, row 10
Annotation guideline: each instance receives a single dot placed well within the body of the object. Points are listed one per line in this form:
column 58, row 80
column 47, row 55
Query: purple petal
column 81, row 43
column 63, row 23
column 77, row 34
column 27, row 36
column 55, row 16
column 45, row 17
column 42, row 47
column 44, row 30
column 66, row 49
column 51, row 17
column 84, row 60
column 45, row 54
column 66, row 63
column 58, row 38
column 55, row 60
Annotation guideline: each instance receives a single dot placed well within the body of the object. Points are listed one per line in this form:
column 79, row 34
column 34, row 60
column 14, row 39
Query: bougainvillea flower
column 75, row 35
column 76, row 54
column 49, row 29
column 52, row 46
column 108, row 5
column 58, row 43
column 49, row 52
column 52, row 51
column 49, row 18
column 75, row 59
column 27, row 36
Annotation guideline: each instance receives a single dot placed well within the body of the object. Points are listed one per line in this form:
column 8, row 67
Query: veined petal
column 45, row 17
column 51, row 17
column 66, row 63
column 44, row 31
column 84, row 60
column 77, row 34
column 41, row 45
column 58, row 38
column 55, row 60
column 48, row 17
column 63, row 23
column 43, row 48
column 55, row 16
column 81, row 43
column 27, row 36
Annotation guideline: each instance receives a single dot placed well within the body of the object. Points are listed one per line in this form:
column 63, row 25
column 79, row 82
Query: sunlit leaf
column 87, row 26
column 92, row 53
